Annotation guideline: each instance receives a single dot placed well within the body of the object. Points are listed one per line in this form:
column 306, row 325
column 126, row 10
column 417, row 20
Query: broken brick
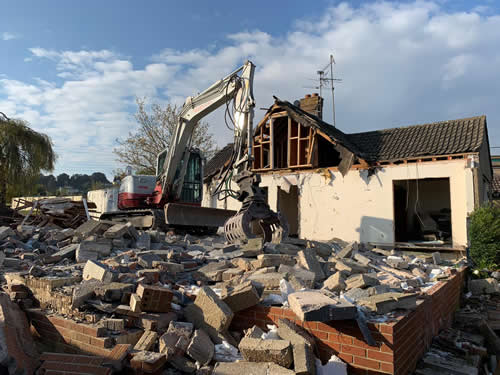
column 259, row 350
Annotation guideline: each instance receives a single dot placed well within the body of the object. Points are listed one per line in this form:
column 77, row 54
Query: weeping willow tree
column 24, row 153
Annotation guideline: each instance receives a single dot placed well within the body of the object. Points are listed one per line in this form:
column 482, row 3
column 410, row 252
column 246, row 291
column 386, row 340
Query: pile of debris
column 471, row 346
column 150, row 300
column 61, row 212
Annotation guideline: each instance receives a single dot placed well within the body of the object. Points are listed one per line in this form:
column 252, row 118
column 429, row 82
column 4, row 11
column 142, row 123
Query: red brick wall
column 399, row 344
column 68, row 336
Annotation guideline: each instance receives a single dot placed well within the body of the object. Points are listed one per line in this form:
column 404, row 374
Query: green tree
column 23, row 154
column 156, row 128
column 62, row 180
column 484, row 232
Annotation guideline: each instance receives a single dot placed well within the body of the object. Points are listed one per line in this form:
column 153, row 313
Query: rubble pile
column 61, row 212
column 470, row 346
column 154, row 301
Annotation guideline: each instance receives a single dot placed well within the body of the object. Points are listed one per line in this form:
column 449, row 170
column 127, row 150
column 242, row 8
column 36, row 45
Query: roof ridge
column 451, row 122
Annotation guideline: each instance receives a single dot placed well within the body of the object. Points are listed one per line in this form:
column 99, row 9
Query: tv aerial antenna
column 326, row 79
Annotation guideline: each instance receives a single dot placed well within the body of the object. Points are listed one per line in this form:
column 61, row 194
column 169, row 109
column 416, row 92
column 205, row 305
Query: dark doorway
column 422, row 210
column 288, row 205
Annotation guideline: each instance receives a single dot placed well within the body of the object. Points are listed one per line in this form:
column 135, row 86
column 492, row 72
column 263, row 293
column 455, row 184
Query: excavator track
column 180, row 217
column 142, row 218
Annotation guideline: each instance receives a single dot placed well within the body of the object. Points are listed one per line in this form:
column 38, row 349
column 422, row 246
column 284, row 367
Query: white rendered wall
column 358, row 208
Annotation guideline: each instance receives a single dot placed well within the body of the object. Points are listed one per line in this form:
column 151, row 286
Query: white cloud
column 400, row 64
column 6, row 35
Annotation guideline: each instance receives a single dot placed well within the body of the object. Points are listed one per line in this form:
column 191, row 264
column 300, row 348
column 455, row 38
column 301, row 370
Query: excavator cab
column 192, row 187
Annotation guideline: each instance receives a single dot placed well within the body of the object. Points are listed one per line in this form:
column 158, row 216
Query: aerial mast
column 325, row 81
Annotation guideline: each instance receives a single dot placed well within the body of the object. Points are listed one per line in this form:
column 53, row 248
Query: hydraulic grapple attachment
column 255, row 218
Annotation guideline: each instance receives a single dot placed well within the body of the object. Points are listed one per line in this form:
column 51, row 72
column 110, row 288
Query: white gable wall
column 358, row 208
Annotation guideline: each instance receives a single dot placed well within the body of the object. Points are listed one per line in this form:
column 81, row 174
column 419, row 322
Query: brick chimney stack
column 312, row 104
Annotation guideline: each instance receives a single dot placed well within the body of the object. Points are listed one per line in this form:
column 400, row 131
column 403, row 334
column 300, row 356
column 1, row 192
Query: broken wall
column 361, row 208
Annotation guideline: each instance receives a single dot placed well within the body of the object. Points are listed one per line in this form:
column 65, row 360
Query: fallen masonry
column 127, row 301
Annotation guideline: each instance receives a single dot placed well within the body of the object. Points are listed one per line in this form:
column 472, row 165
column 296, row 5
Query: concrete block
column 92, row 250
column 147, row 341
column 201, row 348
column 303, row 359
column 250, row 368
column 347, row 251
column 242, row 297
column 268, row 281
column 307, row 259
column 97, row 271
column 288, row 330
column 148, row 362
column 113, row 291
column 350, row 266
column 216, row 313
column 361, row 280
column 67, row 251
column 135, row 303
column 83, row 255
column 258, row 350
column 157, row 322
column 300, row 275
column 273, row 260
column 155, row 298
column 387, row 302
column 364, row 260
column 335, row 283
column 315, row 306
column 116, row 231
column 91, row 227
column 125, row 310
column 83, row 291
column 213, row 271
column 113, row 324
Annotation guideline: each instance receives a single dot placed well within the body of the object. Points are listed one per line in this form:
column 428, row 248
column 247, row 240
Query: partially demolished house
column 412, row 184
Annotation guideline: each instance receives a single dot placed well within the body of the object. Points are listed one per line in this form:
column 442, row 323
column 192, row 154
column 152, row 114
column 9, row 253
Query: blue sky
column 72, row 69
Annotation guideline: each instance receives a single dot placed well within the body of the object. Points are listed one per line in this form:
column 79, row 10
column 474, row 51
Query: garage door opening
column 288, row 205
column 422, row 210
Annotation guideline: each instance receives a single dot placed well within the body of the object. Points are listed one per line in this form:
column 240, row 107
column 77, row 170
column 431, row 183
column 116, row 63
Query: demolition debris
column 120, row 298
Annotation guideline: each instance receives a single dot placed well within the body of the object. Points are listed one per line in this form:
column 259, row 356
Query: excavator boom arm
column 238, row 86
